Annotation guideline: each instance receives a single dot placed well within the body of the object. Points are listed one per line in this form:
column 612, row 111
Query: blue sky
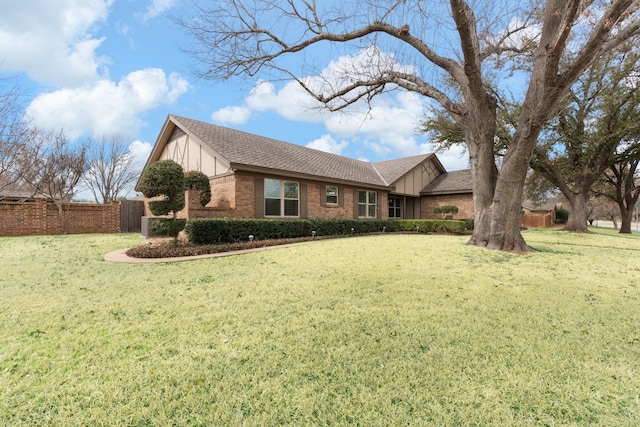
column 99, row 67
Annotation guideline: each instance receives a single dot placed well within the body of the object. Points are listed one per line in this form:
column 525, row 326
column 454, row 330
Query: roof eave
column 297, row 175
column 168, row 127
column 445, row 192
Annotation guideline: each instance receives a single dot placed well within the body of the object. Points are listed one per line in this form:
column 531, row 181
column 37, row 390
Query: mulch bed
column 167, row 249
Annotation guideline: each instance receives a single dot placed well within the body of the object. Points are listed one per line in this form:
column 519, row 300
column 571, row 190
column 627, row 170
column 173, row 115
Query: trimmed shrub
column 194, row 180
column 164, row 178
column 209, row 231
column 168, row 227
column 431, row 225
column 447, row 212
column 562, row 216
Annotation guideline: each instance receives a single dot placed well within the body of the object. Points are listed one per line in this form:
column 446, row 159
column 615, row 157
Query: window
column 281, row 198
column 332, row 195
column 367, row 204
column 395, row 211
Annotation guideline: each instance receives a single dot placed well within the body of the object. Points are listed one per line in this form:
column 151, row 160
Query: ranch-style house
column 256, row 177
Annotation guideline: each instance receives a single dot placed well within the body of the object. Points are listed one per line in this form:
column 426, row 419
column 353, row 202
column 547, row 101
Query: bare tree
column 112, row 169
column 58, row 165
column 603, row 207
column 16, row 137
column 252, row 37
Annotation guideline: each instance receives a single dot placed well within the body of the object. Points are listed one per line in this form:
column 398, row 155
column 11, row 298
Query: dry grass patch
column 380, row 330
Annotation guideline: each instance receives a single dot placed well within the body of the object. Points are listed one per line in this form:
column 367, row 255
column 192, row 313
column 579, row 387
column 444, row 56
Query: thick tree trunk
column 505, row 209
column 497, row 197
column 578, row 217
column 627, row 219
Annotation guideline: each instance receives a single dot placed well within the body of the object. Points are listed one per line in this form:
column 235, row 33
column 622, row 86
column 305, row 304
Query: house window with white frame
column 281, row 198
column 367, row 204
column 331, row 195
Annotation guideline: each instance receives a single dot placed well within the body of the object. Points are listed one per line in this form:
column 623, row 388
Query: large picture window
column 367, row 204
column 281, row 198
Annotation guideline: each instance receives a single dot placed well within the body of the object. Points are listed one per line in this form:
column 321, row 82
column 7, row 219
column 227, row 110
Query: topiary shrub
column 198, row 181
column 168, row 227
column 165, row 179
column 446, row 211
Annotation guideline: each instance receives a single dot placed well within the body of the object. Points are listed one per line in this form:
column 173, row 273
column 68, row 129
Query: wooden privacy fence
column 533, row 220
column 41, row 217
column 131, row 213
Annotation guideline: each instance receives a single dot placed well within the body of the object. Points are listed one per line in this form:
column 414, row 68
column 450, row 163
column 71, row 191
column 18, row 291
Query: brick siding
column 40, row 217
column 316, row 210
column 464, row 203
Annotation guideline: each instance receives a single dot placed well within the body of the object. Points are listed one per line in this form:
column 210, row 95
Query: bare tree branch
column 111, row 168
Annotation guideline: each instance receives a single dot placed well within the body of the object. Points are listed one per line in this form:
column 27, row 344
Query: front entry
column 395, row 207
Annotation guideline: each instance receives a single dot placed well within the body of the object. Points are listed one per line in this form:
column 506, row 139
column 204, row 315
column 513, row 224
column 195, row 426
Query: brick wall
column 315, row 210
column 464, row 202
column 245, row 196
column 223, row 192
column 41, row 217
column 232, row 196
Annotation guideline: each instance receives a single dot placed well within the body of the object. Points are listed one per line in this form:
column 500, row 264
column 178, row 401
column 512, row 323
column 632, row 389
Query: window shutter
column 355, row 203
column 303, row 200
column 259, row 197
column 340, row 196
column 323, row 195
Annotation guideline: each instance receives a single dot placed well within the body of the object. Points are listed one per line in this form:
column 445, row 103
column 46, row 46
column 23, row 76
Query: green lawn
column 386, row 330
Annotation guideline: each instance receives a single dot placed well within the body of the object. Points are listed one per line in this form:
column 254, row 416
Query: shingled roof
column 392, row 170
column 245, row 149
column 454, row 182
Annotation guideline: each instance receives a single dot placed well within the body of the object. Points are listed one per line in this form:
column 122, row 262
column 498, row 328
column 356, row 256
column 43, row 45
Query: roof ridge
column 379, row 174
column 239, row 147
column 286, row 143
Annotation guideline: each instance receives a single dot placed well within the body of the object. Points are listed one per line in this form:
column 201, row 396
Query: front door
column 395, row 207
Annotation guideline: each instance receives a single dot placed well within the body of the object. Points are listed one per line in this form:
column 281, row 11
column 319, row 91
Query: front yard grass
column 381, row 330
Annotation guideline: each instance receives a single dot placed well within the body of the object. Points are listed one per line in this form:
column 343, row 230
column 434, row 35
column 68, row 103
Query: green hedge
column 213, row 230
column 431, row 225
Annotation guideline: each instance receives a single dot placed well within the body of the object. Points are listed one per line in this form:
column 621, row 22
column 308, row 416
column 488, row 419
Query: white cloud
column 387, row 126
column 329, row 144
column 157, row 7
column 52, row 41
column 140, row 151
column 232, row 115
column 291, row 102
column 104, row 107
column 456, row 158
column 390, row 121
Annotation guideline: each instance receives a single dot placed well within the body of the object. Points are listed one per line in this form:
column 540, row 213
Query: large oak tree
column 559, row 40
column 598, row 122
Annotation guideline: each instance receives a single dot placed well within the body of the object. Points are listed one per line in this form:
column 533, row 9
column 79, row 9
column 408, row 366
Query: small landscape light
column 384, row 229
column 313, row 233
column 251, row 237
column 352, row 230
